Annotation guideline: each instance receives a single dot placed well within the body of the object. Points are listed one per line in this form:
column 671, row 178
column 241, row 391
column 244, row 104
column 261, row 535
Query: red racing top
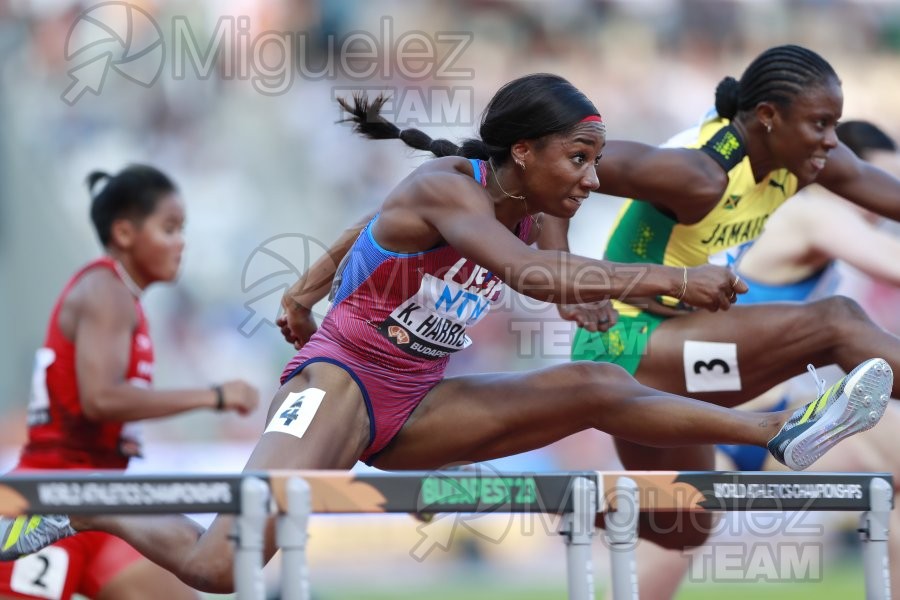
column 60, row 436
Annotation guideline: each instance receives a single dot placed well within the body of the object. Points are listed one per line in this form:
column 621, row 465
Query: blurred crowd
column 270, row 178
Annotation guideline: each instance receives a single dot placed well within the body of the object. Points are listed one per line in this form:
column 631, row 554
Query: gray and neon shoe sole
column 866, row 393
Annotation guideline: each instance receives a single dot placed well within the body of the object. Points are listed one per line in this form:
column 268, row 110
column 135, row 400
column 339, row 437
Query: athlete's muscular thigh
column 317, row 420
column 728, row 358
column 480, row 417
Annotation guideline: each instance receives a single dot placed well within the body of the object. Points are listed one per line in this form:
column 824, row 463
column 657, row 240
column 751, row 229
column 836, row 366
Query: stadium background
column 269, row 179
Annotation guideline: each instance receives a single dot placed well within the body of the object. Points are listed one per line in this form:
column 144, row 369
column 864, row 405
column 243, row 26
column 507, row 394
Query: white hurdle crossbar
column 581, row 498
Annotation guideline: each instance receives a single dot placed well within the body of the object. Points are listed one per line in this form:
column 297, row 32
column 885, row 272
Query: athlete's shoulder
column 99, row 276
column 99, row 290
column 448, row 180
column 446, row 165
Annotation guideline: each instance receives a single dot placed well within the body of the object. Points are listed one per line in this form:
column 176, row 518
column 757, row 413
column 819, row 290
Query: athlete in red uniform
column 91, row 382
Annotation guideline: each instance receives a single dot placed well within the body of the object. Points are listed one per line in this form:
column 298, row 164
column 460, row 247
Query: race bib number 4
column 711, row 367
column 297, row 412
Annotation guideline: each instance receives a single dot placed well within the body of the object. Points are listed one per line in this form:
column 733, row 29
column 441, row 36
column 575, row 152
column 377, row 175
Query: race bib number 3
column 297, row 412
column 711, row 367
column 41, row 575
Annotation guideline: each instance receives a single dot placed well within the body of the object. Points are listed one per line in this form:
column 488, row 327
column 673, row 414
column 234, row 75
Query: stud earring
column 768, row 128
column 521, row 164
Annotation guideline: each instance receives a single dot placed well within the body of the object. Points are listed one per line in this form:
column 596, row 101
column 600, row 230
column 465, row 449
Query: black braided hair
column 528, row 108
column 777, row 75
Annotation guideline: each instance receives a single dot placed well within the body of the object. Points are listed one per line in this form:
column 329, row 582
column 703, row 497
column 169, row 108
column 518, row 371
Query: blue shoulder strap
column 476, row 169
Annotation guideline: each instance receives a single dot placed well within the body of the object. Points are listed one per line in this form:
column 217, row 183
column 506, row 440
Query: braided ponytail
column 527, row 108
column 367, row 120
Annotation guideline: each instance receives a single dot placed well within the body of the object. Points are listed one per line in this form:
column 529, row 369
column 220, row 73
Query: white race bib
column 42, row 574
column 297, row 412
column 711, row 367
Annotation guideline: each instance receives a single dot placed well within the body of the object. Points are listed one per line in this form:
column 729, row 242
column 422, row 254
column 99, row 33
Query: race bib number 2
column 41, row 575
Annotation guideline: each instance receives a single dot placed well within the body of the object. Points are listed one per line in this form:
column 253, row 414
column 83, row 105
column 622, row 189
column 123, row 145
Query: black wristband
column 220, row 397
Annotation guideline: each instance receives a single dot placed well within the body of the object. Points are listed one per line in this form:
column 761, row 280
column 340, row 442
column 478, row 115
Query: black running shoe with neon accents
column 28, row 534
column 854, row 404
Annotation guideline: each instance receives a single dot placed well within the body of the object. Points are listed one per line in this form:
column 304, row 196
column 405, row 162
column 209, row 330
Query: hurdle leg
column 622, row 536
column 874, row 534
column 578, row 529
column 250, row 526
column 291, row 535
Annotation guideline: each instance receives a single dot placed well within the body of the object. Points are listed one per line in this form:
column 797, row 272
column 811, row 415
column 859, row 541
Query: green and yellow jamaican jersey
column 641, row 233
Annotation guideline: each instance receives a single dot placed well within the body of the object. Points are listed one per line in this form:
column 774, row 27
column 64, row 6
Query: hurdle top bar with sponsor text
column 478, row 490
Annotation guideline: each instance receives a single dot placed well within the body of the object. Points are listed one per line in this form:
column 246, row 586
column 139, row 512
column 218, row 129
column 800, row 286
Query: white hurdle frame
column 579, row 497
column 873, row 529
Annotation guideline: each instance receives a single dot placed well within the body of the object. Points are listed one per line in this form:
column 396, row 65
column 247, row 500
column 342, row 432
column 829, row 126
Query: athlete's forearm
column 126, row 402
column 315, row 283
column 620, row 281
column 564, row 278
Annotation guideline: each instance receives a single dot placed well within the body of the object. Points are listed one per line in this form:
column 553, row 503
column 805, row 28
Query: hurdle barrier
column 578, row 497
